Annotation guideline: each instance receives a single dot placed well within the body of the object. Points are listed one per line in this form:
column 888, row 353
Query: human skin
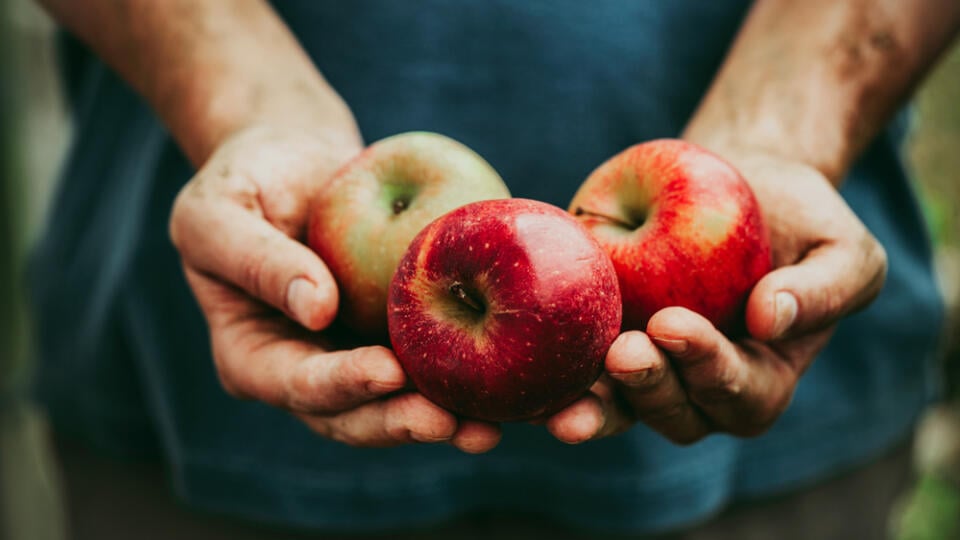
column 802, row 92
column 251, row 112
column 805, row 87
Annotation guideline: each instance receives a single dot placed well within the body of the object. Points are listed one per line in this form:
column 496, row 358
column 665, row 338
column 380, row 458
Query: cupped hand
column 685, row 379
column 266, row 297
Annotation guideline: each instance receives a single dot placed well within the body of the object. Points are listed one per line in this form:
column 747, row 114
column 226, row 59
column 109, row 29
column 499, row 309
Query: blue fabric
column 545, row 91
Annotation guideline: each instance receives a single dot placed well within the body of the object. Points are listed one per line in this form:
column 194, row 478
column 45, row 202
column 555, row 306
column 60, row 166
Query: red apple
column 682, row 228
column 503, row 310
column 364, row 217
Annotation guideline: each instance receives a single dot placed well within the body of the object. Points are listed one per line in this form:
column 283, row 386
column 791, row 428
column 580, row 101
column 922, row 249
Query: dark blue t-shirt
column 545, row 91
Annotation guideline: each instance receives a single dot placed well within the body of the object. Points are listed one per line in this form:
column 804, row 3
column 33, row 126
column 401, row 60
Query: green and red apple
column 504, row 310
column 365, row 216
column 682, row 228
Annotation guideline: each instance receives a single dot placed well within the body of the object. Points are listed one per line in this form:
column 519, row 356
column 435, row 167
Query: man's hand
column 685, row 379
column 264, row 294
column 804, row 89
column 248, row 107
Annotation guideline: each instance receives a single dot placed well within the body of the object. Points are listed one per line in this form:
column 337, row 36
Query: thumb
column 831, row 281
column 237, row 246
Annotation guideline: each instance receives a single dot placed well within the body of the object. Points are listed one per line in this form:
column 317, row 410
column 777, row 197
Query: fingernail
column 300, row 299
column 634, row 378
column 785, row 312
column 424, row 438
column 675, row 346
column 383, row 387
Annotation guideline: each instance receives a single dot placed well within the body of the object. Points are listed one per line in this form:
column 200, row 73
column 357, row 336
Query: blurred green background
column 34, row 132
column 931, row 510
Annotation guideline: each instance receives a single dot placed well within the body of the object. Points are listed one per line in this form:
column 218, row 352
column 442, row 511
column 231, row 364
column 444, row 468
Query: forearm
column 208, row 68
column 815, row 80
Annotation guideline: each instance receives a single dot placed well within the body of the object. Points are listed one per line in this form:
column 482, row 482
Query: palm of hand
column 685, row 379
column 237, row 226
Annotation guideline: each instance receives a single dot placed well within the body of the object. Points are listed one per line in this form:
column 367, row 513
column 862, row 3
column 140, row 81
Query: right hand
column 685, row 379
column 265, row 296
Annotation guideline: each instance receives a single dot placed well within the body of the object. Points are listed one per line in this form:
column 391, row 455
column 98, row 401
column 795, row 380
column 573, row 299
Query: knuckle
column 302, row 393
column 397, row 413
column 879, row 255
column 670, row 412
column 320, row 426
column 377, row 363
column 833, row 305
column 350, row 370
column 723, row 391
column 881, row 263
column 180, row 216
column 702, row 357
column 340, row 430
column 252, row 271
column 232, row 389
column 229, row 380
column 723, row 386
column 875, row 265
column 241, row 189
column 336, row 395
column 347, row 438
column 397, row 432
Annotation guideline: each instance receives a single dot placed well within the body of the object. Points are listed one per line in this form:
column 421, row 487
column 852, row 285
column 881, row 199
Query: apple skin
column 364, row 217
column 682, row 228
column 504, row 310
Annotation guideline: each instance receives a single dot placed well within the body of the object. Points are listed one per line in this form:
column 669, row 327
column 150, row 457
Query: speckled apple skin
column 356, row 232
column 552, row 303
column 702, row 244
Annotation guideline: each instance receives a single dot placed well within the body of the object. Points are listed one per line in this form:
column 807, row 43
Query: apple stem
column 399, row 205
column 581, row 211
column 458, row 290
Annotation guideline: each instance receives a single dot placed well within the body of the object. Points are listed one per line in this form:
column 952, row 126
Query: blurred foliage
column 30, row 507
column 932, row 511
column 9, row 220
column 934, row 149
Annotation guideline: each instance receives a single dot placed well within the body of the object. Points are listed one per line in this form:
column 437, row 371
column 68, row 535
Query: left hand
column 685, row 379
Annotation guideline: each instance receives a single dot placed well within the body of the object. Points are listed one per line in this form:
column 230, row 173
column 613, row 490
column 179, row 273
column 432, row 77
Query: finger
column 579, row 421
column 597, row 414
column 831, row 281
column 740, row 390
column 220, row 237
column 652, row 389
column 261, row 355
column 617, row 415
column 393, row 421
column 475, row 437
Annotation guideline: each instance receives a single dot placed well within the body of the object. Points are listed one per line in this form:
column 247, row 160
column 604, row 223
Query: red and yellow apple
column 503, row 310
column 682, row 228
column 364, row 217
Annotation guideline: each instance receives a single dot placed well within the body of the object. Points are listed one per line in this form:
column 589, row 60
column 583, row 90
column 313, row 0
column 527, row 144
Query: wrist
column 813, row 82
column 228, row 86
column 203, row 118
column 732, row 130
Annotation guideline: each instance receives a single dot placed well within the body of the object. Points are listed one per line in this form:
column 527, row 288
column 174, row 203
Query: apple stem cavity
column 459, row 291
column 581, row 211
column 399, row 205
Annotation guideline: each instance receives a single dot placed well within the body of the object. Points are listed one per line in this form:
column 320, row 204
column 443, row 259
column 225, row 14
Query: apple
column 682, row 228
column 503, row 310
column 364, row 217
